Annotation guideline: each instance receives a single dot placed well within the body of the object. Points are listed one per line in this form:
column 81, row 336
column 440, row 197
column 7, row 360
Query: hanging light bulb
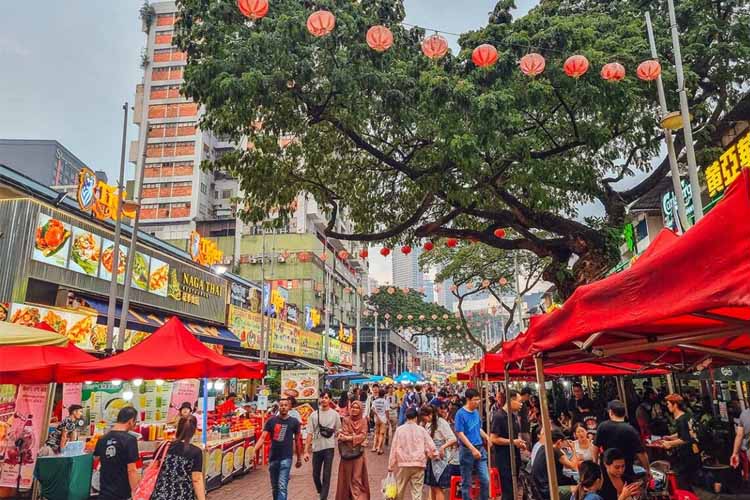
column 137, row 382
column 88, row 382
column 159, row 382
column 219, row 385
column 210, row 386
column 116, row 382
column 127, row 395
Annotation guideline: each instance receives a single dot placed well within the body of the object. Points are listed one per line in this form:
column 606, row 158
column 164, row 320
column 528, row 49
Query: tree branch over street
column 412, row 148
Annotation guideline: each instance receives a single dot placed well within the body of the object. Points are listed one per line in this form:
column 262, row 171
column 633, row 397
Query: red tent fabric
column 494, row 365
column 171, row 352
column 689, row 295
column 37, row 364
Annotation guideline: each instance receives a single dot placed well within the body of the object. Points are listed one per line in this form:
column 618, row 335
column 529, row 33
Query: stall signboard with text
column 333, row 350
column 310, row 345
column 84, row 260
column 722, row 172
column 301, row 384
column 203, row 251
column 100, row 198
column 245, row 325
column 284, row 338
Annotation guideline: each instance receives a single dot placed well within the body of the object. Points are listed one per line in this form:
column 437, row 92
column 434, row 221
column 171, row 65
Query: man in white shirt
column 322, row 427
column 380, row 414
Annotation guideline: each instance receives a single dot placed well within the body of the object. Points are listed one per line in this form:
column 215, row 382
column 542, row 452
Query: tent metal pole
column 547, row 426
column 512, row 446
column 204, row 417
column 717, row 352
column 487, row 418
column 670, row 383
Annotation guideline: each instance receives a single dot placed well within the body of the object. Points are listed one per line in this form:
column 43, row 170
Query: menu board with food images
column 158, row 277
column 103, row 401
column 108, row 252
column 333, row 350
column 51, row 241
column 4, row 311
column 80, row 328
column 85, row 252
column 347, row 354
column 301, row 384
column 139, row 276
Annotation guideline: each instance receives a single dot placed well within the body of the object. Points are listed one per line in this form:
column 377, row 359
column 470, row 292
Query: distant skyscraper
column 429, row 291
column 444, row 296
column 406, row 272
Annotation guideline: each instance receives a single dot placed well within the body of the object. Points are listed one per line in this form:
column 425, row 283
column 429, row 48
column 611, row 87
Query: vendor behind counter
column 66, row 431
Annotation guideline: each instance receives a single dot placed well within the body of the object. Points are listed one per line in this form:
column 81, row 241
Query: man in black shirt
column 118, row 452
column 285, row 437
column 616, row 433
column 686, row 457
column 501, row 442
column 580, row 405
column 539, row 467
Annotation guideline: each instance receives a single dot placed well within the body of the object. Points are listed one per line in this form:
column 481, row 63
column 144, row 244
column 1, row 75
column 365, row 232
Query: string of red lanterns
column 380, row 38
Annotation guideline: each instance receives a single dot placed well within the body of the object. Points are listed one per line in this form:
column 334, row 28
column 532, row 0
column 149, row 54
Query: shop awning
column 685, row 303
column 34, row 364
column 348, row 375
column 309, row 365
column 171, row 352
column 138, row 319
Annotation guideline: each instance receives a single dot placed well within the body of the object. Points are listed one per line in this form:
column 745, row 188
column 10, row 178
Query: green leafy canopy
column 412, row 148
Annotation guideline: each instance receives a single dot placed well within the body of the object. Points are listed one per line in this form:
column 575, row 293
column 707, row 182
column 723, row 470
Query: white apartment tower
column 176, row 192
column 406, row 272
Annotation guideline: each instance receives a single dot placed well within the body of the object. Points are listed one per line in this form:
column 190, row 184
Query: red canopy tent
column 171, row 352
column 493, row 365
column 37, row 364
column 686, row 299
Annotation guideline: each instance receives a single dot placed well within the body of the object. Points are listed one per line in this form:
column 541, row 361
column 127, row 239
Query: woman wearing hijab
column 353, row 482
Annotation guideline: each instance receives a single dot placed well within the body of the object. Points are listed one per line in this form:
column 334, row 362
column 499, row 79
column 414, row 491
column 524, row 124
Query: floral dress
column 175, row 480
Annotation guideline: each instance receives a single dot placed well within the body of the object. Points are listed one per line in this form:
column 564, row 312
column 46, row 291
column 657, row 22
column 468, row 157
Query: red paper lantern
column 428, row 246
column 484, row 56
column 343, row 254
column 576, row 66
column 253, row 9
column 364, row 253
column 613, row 72
column 451, row 242
column 406, row 249
column 385, row 251
column 434, row 46
column 379, row 38
column 320, row 23
column 499, row 233
column 532, row 64
column 649, row 70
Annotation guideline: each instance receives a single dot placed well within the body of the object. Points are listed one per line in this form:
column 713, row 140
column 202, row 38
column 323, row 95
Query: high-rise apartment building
column 170, row 146
column 405, row 271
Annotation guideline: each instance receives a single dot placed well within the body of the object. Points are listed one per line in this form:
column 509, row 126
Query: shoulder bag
column 148, row 482
column 324, row 431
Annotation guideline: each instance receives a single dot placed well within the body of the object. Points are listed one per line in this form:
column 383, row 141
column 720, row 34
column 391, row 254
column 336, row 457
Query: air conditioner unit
column 253, row 260
column 281, row 259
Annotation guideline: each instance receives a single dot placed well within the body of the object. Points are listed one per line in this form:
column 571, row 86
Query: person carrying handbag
column 353, row 480
column 181, row 473
column 322, row 428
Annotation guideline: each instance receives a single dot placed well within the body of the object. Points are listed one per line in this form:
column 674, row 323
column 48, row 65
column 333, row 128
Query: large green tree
column 412, row 148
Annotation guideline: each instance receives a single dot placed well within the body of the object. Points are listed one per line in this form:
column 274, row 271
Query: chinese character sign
column 721, row 173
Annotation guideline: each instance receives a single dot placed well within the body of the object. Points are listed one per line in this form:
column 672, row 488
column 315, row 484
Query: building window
column 226, row 194
column 165, row 92
column 204, row 188
column 165, row 19
column 164, row 38
column 167, row 73
column 169, row 54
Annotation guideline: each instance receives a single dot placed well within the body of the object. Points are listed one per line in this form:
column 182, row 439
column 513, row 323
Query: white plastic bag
column 390, row 487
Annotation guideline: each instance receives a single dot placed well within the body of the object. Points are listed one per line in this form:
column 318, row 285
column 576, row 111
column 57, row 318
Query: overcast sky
column 69, row 66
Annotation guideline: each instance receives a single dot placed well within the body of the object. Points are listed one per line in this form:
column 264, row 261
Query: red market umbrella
column 37, row 364
column 686, row 302
column 171, row 352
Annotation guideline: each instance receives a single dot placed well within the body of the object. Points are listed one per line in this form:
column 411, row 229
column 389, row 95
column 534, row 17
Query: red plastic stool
column 495, row 488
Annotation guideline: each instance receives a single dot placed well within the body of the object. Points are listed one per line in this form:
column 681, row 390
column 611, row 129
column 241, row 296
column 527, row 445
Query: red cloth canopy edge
column 685, row 295
column 37, row 364
column 171, row 352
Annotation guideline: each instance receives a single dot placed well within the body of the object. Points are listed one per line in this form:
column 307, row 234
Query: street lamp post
column 375, row 347
column 112, row 305
column 687, row 127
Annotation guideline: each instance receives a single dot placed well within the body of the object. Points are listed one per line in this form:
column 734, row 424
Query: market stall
column 169, row 368
column 684, row 304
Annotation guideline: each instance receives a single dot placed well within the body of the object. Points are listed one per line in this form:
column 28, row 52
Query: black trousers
column 322, row 461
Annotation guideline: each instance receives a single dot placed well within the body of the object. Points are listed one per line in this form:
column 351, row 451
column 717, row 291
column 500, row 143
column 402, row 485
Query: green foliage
column 414, row 148
column 409, row 313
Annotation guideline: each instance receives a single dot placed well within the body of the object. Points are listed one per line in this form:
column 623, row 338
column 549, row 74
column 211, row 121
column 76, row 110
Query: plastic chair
column 495, row 487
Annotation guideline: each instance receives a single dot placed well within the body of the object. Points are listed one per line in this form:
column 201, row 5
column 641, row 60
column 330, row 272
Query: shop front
column 63, row 270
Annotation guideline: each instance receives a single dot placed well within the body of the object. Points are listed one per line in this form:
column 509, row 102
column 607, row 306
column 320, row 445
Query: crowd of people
column 432, row 434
